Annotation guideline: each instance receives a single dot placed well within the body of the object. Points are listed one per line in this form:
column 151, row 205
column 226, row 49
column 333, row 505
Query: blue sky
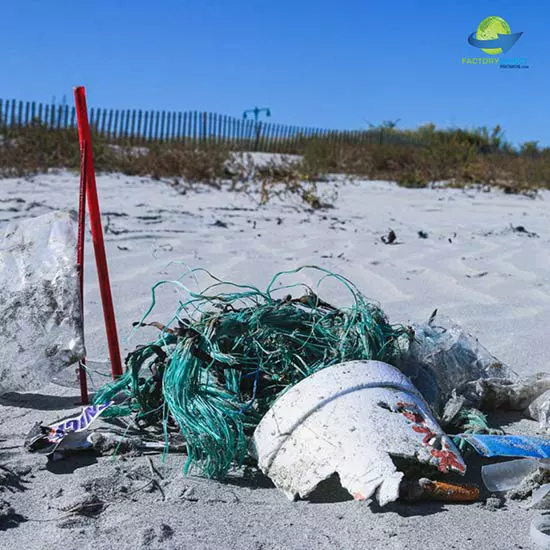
column 328, row 64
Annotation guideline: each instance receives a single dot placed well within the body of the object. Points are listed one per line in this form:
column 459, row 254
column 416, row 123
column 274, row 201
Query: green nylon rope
column 225, row 357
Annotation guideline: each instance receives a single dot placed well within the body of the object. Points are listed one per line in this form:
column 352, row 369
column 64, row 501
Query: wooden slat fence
column 135, row 127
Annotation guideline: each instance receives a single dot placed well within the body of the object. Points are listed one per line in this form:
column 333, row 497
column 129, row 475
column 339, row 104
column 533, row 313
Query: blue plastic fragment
column 508, row 445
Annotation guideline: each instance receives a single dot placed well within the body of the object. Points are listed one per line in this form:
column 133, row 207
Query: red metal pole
column 80, row 258
column 97, row 233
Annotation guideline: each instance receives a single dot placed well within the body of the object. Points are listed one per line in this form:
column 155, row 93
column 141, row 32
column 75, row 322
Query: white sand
column 494, row 281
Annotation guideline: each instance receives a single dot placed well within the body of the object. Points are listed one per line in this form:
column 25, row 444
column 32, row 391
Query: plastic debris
column 540, row 531
column 353, row 419
column 541, row 497
column 531, row 483
column 231, row 350
column 459, row 378
column 70, row 434
column 427, row 489
column 509, row 475
column 71, row 443
column 446, row 363
column 106, row 443
column 539, row 410
column 39, row 301
column 75, row 434
column 512, row 393
column 508, row 445
column 79, row 423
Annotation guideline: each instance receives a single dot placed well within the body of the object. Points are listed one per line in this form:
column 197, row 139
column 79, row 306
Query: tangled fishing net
column 225, row 356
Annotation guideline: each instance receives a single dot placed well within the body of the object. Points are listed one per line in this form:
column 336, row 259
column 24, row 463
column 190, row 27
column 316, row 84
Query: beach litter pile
column 230, row 351
column 307, row 390
column 286, row 379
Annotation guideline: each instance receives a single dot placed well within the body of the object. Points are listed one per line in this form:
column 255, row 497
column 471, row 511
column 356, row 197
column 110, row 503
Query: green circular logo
column 489, row 29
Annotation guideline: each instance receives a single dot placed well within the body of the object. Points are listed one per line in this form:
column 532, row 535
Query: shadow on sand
column 40, row 402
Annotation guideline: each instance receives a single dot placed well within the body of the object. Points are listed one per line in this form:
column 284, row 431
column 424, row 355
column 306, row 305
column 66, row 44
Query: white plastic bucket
column 350, row 419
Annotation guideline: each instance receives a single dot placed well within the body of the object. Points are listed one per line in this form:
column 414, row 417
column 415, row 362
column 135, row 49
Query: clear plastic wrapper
column 443, row 361
column 41, row 330
column 505, row 476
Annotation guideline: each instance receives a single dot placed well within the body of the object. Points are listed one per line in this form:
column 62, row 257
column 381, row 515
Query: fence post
column 97, row 123
column 155, row 127
column 59, row 117
column 146, row 125
column 296, row 138
column 195, row 127
column 151, row 116
column 224, row 129
column 173, row 131
column 143, row 117
column 20, row 115
column 258, row 133
column 203, row 127
column 92, row 120
column 278, row 134
column 265, row 137
column 178, row 130
column 292, row 133
column 184, row 131
column 13, row 105
column 121, row 126
column 109, row 123
column 211, row 127
column 115, row 125
column 127, row 125
column 230, row 128
column 168, row 126
column 268, row 134
column 52, row 116
column 220, row 128
column 133, row 127
column 103, row 121
column 215, row 128
column 47, row 116
column 139, row 127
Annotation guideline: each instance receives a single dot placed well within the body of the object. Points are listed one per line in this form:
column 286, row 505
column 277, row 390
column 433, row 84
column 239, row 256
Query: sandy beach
column 482, row 259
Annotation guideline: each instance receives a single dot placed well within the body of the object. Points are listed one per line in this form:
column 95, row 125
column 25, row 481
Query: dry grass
column 457, row 157
column 37, row 149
